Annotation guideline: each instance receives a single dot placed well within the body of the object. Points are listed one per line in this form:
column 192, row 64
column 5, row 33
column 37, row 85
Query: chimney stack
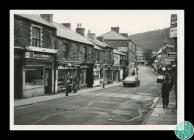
column 124, row 34
column 67, row 25
column 91, row 35
column 47, row 17
column 100, row 38
column 80, row 30
column 116, row 29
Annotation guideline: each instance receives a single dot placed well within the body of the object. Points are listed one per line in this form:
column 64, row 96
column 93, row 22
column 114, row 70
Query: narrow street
column 110, row 106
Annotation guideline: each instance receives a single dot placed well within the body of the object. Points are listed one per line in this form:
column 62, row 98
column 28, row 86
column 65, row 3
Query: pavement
column 38, row 99
column 160, row 116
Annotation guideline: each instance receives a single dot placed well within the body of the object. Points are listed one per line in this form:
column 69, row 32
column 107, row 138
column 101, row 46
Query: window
column 36, row 36
column 34, row 75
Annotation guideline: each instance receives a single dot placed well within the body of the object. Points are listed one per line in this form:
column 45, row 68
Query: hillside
column 151, row 39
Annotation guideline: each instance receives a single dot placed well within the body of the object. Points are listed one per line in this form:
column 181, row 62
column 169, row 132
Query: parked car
column 160, row 78
column 131, row 80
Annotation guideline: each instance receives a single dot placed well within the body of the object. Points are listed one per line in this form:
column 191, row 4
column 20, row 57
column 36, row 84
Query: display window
column 34, row 75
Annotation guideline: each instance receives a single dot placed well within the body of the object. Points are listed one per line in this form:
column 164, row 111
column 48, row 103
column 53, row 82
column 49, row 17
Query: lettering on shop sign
column 38, row 56
column 30, row 63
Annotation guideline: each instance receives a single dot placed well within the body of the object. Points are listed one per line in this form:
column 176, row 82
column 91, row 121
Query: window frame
column 33, row 37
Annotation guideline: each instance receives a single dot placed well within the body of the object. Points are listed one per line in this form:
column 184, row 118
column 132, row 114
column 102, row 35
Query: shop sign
column 116, row 67
column 173, row 32
column 42, row 56
column 38, row 56
column 96, row 69
column 123, row 49
column 173, row 22
column 29, row 54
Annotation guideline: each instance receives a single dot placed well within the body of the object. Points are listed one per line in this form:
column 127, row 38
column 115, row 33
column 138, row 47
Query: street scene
column 116, row 105
column 71, row 73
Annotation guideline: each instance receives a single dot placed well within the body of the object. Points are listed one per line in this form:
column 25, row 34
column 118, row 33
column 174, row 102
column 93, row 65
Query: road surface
column 110, row 106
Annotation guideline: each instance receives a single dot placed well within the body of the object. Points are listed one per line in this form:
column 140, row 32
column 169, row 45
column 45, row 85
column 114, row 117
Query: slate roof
column 67, row 33
column 98, row 48
column 99, row 43
column 36, row 18
column 164, row 47
column 112, row 35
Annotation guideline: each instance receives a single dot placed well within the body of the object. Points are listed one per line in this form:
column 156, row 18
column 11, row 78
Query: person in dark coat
column 133, row 73
column 166, row 88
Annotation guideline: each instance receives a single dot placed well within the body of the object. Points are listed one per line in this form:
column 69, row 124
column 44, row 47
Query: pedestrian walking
column 166, row 88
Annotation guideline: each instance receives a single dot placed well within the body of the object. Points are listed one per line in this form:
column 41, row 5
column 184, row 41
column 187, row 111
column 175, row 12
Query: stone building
column 121, row 42
column 34, row 55
column 105, row 61
column 140, row 56
column 120, row 61
column 74, row 57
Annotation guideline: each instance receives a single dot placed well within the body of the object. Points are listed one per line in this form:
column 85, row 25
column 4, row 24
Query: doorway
column 48, row 84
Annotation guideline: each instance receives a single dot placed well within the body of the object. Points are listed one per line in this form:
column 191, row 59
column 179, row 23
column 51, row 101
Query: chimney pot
column 80, row 30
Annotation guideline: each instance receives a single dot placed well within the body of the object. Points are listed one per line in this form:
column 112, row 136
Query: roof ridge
column 118, row 35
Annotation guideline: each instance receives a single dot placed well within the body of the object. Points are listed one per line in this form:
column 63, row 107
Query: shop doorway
column 48, row 84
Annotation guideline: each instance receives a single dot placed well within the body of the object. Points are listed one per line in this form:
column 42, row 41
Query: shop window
column 62, row 80
column 36, row 31
column 34, row 75
column 83, row 76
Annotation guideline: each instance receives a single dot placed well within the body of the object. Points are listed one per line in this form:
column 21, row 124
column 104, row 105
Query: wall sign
column 38, row 56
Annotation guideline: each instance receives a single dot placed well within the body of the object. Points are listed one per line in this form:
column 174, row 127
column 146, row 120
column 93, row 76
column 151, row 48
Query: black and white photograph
column 96, row 69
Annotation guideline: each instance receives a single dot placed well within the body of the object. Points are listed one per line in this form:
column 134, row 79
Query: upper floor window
column 36, row 36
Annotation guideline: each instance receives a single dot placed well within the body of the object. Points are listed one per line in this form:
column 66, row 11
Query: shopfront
column 109, row 73
column 97, row 75
column 69, row 70
column 38, row 73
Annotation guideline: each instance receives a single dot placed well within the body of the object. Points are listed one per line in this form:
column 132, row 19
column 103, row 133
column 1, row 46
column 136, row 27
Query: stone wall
column 22, row 33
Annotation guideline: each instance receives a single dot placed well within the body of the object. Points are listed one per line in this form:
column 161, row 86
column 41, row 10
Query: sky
column 101, row 21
